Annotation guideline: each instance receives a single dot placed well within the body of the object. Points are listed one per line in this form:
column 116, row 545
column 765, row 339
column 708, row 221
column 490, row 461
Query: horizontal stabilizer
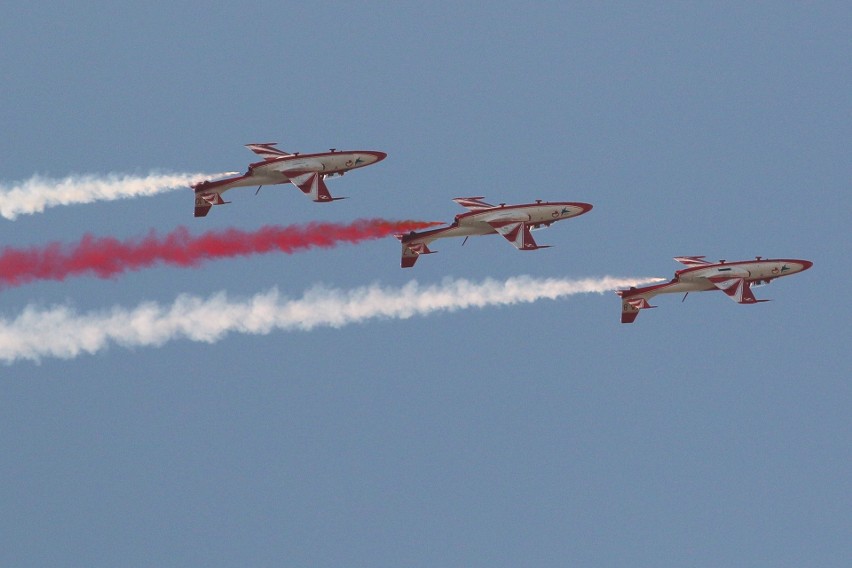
column 640, row 303
column 211, row 198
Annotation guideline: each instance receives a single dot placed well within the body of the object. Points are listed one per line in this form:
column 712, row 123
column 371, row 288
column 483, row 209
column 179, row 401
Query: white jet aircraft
column 513, row 222
column 308, row 172
column 735, row 279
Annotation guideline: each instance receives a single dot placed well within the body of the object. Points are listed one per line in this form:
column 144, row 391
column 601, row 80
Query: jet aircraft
column 306, row 171
column 735, row 279
column 513, row 222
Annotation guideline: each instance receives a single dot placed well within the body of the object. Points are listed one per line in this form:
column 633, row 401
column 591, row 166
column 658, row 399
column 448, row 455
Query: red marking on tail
column 106, row 257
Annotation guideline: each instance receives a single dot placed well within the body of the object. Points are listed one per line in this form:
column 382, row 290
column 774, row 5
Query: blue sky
column 705, row 434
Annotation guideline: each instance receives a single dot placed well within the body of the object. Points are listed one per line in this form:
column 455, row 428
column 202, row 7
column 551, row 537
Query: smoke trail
column 37, row 193
column 61, row 332
column 105, row 257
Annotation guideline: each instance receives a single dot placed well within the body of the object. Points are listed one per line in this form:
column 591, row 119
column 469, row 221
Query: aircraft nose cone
column 806, row 264
column 367, row 157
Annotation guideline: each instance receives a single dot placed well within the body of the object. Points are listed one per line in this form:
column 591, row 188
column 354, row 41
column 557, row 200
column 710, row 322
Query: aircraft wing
column 517, row 233
column 737, row 289
column 312, row 185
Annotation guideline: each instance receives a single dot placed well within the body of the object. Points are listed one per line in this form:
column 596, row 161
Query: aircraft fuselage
column 753, row 271
column 271, row 172
column 697, row 278
column 733, row 278
column 537, row 215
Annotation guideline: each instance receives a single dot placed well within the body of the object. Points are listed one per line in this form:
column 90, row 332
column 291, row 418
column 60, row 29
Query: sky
column 543, row 433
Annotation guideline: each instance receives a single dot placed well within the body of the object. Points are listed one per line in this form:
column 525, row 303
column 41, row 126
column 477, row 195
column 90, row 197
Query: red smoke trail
column 106, row 256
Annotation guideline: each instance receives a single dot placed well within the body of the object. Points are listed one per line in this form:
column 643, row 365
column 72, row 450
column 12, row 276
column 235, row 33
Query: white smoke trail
column 61, row 332
column 38, row 193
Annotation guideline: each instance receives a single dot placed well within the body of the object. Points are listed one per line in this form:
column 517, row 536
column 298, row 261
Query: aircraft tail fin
column 630, row 306
column 204, row 201
column 411, row 251
column 628, row 313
